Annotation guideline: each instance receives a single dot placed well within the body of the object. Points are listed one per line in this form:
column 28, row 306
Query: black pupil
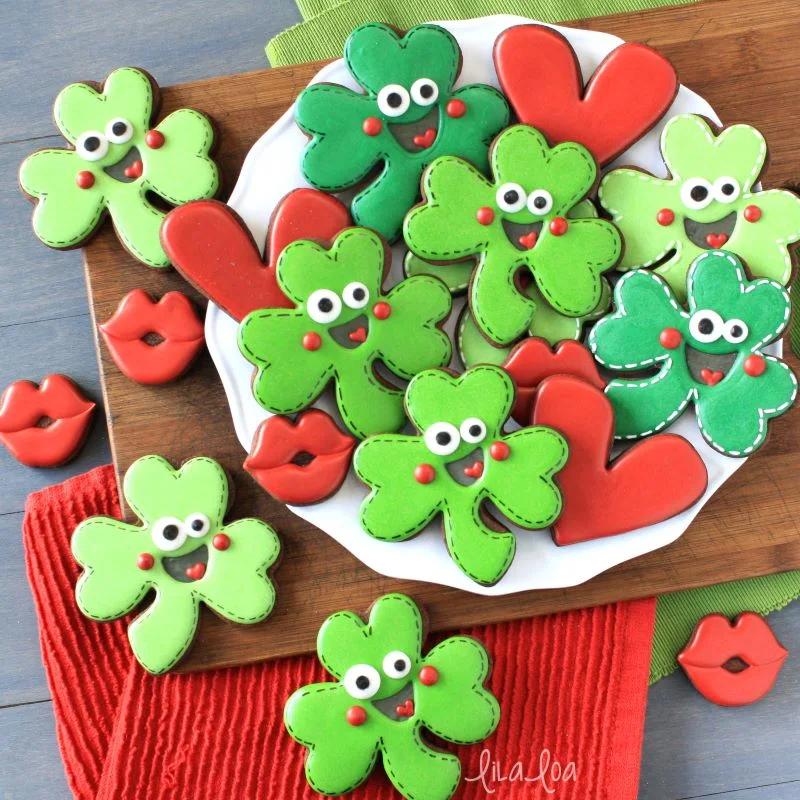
column 394, row 100
column 426, row 90
column 443, row 438
column 170, row 532
column 118, row 128
column 728, row 188
column 699, row 193
column 705, row 326
column 197, row 524
column 399, row 665
column 540, row 202
column 326, row 304
column 736, row 330
column 362, row 682
column 475, row 430
column 91, row 143
column 358, row 294
column 511, row 197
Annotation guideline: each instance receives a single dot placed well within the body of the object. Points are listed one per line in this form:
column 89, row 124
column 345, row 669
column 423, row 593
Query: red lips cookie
column 173, row 319
column 602, row 499
column 212, row 248
column 716, row 642
column 625, row 97
column 300, row 463
column 45, row 425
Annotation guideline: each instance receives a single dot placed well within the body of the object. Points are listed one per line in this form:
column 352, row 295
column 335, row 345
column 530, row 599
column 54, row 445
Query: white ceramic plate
column 271, row 170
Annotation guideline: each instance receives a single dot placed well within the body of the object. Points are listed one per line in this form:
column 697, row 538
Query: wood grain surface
column 750, row 527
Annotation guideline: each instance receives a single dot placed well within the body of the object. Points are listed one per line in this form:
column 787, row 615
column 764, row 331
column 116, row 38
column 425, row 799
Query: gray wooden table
column 692, row 749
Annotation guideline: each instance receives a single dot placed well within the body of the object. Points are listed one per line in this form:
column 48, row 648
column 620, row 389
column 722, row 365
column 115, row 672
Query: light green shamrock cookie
column 116, row 161
column 386, row 692
column 183, row 550
column 707, row 202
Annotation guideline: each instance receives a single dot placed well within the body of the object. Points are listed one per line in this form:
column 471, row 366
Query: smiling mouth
column 189, row 567
column 523, row 235
column 708, row 368
column 351, row 334
column 128, row 169
column 710, row 235
column 400, row 706
column 468, row 469
column 417, row 136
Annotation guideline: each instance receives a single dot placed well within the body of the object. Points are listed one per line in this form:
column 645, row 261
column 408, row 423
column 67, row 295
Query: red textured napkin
column 572, row 688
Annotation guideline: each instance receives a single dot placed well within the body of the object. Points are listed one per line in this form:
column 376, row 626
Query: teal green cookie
column 115, row 163
column 183, row 551
column 385, row 695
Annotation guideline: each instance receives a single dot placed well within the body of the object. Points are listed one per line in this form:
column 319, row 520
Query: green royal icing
column 234, row 582
column 730, row 319
column 721, row 170
column 566, row 268
column 520, row 485
column 399, row 71
column 178, row 171
column 446, row 689
column 291, row 376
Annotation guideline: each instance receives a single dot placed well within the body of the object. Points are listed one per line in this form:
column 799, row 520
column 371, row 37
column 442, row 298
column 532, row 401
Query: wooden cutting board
column 742, row 56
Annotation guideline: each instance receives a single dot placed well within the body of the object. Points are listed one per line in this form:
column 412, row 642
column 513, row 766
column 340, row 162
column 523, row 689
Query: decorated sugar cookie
column 385, row 694
column 710, row 355
column 708, row 201
column 116, row 159
column 183, row 550
column 343, row 325
column 515, row 224
column 408, row 115
column 459, row 463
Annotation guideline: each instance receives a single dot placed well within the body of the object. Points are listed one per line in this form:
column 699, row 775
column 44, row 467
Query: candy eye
column 735, row 331
column 393, row 100
column 119, row 131
column 511, row 197
column 168, row 533
column 473, row 430
column 697, row 193
column 355, row 295
column 324, row 306
column 424, row 92
column 197, row 525
column 396, row 664
column 91, row 146
column 442, row 438
column 706, row 325
column 540, row 202
column 362, row 681
column 726, row 190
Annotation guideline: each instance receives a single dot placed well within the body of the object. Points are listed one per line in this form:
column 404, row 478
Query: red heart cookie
column 652, row 481
column 626, row 96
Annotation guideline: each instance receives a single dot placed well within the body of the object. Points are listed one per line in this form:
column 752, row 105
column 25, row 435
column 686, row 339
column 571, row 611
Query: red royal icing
column 485, row 215
column 558, row 226
column 456, row 108
column 665, row 217
column 84, row 179
column 499, row 451
column 196, row 572
column 145, row 561
column 424, row 473
column 755, row 366
column 356, row 716
column 670, row 338
column 135, row 170
column 528, row 241
column 425, row 140
column 221, row 541
column 428, row 676
column 372, row 126
column 752, row 213
column 312, row 341
column 711, row 376
column 382, row 310
column 716, row 240
column 154, row 139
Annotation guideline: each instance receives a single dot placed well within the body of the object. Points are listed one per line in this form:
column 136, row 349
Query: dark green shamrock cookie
column 386, row 693
column 515, row 224
column 183, row 550
column 710, row 355
column 116, row 161
column 343, row 326
column 459, row 463
column 408, row 115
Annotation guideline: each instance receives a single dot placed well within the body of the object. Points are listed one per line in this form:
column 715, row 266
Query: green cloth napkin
column 327, row 25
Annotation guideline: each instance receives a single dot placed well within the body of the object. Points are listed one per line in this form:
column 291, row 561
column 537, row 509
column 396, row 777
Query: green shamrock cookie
column 710, row 356
column 386, row 692
column 708, row 201
column 342, row 327
column 116, row 162
column 461, row 462
column 515, row 224
column 408, row 115
column 183, row 551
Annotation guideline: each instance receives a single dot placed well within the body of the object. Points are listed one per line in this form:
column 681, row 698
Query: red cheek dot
column 154, row 139
column 428, row 676
column 424, row 473
column 145, row 561
column 755, row 366
column 558, row 226
column 456, row 108
column 670, row 338
column 382, row 310
column 752, row 213
column 312, row 341
column 84, row 179
column 665, row 217
column 485, row 215
column 499, row 451
column 356, row 716
column 221, row 541
column 372, row 126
